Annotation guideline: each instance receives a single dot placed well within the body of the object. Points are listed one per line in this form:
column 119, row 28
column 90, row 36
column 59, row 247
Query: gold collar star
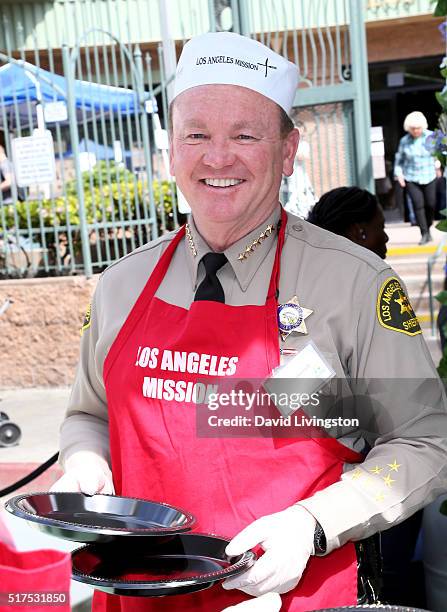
column 190, row 239
column 256, row 242
column 291, row 317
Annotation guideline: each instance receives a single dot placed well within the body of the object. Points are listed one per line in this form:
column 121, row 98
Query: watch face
column 319, row 540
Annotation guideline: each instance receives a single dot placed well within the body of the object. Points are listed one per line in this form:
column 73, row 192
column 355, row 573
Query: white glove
column 270, row 602
column 288, row 540
column 86, row 472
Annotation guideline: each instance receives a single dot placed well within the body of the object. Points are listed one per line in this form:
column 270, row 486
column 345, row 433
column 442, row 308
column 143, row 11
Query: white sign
column 117, row 151
column 87, row 161
column 150, row 106
column 376, row 133
column 378, row 149
column 378, row 152
column 395, row 79
column 33, row 159
column 378, row 164
column 55, row 111
column 161, row 139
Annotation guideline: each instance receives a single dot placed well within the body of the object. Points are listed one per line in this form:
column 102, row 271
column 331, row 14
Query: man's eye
column 196, row 136
column 245, row 137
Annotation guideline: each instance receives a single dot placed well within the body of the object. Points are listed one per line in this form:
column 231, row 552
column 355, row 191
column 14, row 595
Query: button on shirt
column 413, row 161
column 339, row 281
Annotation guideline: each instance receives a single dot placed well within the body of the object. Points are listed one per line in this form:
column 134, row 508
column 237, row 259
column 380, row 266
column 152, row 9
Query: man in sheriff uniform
column 223, row 296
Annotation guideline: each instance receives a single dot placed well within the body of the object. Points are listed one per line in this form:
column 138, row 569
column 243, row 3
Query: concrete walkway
column 405, row 236
column 39, row 413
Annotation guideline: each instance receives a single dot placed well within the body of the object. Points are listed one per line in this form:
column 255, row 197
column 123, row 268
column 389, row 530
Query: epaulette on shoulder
column 149, row 246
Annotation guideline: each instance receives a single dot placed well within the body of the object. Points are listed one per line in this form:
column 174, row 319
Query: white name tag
column 305, row 373
column 308, row 363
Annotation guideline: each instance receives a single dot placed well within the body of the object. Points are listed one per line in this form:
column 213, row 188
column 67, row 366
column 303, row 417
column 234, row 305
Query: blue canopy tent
column 23, row 86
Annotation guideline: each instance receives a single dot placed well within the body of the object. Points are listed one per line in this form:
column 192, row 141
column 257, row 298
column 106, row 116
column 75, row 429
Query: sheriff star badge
column 291, row 317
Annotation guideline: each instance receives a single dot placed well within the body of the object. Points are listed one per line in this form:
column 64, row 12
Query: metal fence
column 98, row 201
column 84, row 78
column 90, row 80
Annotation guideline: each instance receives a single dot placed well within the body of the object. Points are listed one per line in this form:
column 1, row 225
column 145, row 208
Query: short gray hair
column 286, row 124
column 416, row 119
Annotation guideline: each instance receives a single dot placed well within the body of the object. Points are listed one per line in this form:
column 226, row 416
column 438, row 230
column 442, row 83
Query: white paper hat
column 230, row 59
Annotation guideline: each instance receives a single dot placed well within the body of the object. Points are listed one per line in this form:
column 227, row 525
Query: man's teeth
column 226, row 182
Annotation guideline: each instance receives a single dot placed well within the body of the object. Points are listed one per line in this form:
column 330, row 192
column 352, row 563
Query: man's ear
column 290, row 147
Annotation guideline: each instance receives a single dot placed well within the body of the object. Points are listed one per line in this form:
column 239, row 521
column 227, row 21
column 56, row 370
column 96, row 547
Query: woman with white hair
column 414, row 169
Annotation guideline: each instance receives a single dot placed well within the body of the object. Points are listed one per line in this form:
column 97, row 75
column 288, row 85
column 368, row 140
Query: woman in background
column 354, row 213
column 415, row 170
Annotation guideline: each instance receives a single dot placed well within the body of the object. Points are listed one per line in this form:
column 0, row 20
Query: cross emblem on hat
column 267, row 65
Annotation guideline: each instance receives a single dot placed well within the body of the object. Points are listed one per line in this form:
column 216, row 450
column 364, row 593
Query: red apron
column 225, row 483
column 29, row 579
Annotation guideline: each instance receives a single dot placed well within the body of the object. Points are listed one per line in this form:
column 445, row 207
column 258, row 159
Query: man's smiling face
column 227, row 152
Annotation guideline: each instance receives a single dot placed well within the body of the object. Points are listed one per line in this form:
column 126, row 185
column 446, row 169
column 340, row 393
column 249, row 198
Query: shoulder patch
column 394, row 310
column 87, row 319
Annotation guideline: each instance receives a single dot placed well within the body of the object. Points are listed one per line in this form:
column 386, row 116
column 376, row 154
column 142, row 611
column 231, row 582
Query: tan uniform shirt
column 340, row 282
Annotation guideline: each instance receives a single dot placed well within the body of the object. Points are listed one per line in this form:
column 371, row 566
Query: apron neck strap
column 163, row 264
column 273, row 291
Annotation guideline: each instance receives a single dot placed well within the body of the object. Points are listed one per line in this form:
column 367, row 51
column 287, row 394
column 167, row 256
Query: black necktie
column 210, row 288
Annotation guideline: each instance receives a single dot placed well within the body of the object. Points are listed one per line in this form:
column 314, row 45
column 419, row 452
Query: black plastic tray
column 185, row 563
column 99, row 518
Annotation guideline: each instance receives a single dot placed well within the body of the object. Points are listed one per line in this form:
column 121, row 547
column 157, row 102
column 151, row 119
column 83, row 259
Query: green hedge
column 103, row 189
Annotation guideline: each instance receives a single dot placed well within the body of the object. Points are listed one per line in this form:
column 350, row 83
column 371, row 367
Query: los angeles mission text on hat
column 225, row 59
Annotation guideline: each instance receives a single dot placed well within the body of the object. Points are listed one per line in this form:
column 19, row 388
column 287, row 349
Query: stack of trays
column 133, row 546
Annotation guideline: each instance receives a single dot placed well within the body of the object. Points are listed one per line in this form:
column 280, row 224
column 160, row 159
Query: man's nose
column 218, row 154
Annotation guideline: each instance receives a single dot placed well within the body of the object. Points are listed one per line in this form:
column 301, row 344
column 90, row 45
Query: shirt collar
column 245, row 256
